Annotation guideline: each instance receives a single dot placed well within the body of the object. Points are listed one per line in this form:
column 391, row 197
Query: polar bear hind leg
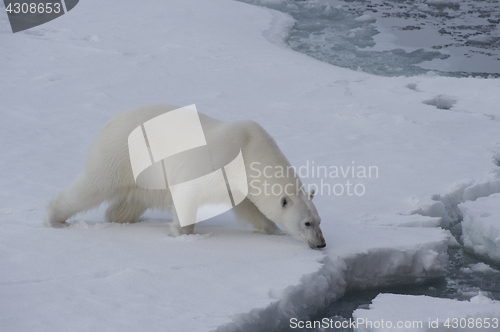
column 78, row 197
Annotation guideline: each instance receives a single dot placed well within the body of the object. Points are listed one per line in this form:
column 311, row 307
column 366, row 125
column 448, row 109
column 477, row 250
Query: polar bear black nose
column 322, row 245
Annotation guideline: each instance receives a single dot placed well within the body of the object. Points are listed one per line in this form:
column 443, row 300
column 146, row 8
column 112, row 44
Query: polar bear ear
column 284, row 201
column 311, row 193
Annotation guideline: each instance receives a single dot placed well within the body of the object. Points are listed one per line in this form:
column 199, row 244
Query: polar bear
column 108, row 177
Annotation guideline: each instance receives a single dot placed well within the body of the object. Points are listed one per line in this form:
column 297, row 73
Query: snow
column 446, row 206
column 365, row 18
column 482, row 39
column 437, row 3
column 121, row 277
column 481, row 226
column 63, row 80
column 441, row 102
column 479, row 267
column 427, row 314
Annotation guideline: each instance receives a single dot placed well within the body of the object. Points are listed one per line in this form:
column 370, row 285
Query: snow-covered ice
column 441, row 102
column 479, row 267
column 481, row 226
column 389, row 312
column 365, row 18
column 63, row 80
column 125, row 277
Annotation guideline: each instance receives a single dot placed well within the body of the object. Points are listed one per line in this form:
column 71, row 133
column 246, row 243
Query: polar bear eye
column 307, row 224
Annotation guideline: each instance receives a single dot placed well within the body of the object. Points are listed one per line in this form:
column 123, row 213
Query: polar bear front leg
column 125, row 210
column 174, row 228
column 248, row 212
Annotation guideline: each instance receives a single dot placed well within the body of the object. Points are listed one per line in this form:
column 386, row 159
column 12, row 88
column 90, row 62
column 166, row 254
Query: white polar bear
column 108, row 176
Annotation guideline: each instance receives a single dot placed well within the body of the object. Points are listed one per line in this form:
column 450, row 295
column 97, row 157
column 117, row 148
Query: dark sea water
column 398, row 37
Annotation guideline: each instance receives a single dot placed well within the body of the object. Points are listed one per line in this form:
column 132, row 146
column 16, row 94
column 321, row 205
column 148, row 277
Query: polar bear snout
column 313, row 236
column 322, row 244
column 318, row 244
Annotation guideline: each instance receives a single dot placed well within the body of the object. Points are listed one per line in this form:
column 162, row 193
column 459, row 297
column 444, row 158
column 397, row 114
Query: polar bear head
column 299, row 217
column 301, row 220
column 275, row 187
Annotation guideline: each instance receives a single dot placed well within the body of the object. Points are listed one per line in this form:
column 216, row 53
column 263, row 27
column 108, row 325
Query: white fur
column 108, row 177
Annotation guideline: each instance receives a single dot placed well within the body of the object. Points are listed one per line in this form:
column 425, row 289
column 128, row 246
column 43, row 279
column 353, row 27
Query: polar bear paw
column 174, row 229
column 56, row 224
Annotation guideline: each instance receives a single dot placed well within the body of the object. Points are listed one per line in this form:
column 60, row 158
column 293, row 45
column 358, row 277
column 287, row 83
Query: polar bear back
column 109, row 160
